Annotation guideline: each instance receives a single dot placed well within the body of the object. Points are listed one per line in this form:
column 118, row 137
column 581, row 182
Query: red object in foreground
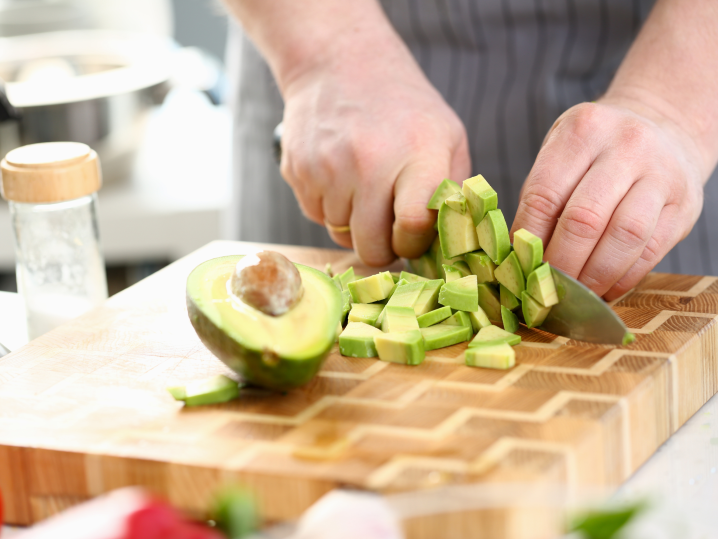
column 128, row 513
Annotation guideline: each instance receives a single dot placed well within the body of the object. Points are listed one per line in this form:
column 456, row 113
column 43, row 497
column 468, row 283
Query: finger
column 370, row 222
column 567, row 154
column 297, row 175
column 337, row 208
column 626, row 236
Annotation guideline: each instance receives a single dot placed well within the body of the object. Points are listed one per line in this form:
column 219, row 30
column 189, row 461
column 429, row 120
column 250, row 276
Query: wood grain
column 84, row 410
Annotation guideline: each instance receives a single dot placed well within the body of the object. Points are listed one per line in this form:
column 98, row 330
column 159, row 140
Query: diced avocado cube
column 461, row 294
column 433, row 317
column 406, row 348
column 456, row 232
column 479, row 320
column 405, row 295
column 498, row 356
column 346, row 304
column 213, row 390
column 411, row 277
column 508, row 299
column 534, row 312
column 367, row 313
column 429, row 298
column 424, row 266
column 491, row 335
column 510, row 320
column 398, row 319
column 357, row 340
column 489, row 301
column 480, row 197
column 345, row 278
column 395, row 276
column 541, row 286
column 482, row 266
column 459, row 318
column 445, row 189
column 452, row 273
column 397, row 284
column 441, row 336
column 529, row 249
column 494, row 236
column 371, row 289
column 463, row 268
column 457, row 202
column 510, row 275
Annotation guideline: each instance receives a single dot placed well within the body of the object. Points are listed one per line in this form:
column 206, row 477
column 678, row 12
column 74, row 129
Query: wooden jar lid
column 50, row 172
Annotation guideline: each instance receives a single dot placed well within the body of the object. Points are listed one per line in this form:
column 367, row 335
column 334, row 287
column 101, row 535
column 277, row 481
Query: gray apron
column 508, row 68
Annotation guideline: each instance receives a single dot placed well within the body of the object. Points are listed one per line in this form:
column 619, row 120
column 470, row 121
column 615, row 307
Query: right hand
column 366, row 141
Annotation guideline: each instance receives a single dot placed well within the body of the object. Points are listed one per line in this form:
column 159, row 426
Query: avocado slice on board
column 445, row 189
column 496, row 356
column 461, row 294
column 442, row 335
column 456, row 232
column 373, row 288
column 367, row 313
column 494, row 236
column 357, row 340
column 479, row 320
column 491, row 335
column 510, row 320
column 433, row 317
column 406, row 347
column 529, row 249
column 276, row 352
column 411, row 277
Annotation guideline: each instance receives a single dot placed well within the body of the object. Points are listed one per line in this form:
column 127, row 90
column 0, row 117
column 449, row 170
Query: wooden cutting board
column 84, row 410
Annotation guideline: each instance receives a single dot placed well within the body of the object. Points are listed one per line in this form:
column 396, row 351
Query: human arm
column 619, row 182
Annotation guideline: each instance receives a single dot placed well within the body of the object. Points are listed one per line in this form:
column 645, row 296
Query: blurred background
column 143, row 83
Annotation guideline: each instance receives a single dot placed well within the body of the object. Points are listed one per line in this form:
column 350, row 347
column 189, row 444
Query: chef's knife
column 580, row 314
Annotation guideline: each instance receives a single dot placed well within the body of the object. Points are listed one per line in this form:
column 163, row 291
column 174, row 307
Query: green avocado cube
column 406, row 295
column 346, row 304
column 480, row 197
column 441, row 336
column 398, row 319
column 510, row 320
column 367, row 313
column 406, row 348
column 497, row 356
column 459, row 318
column 357, row 340
column 479, row 320
column 510, row 275
column 423, row 267
column 429, row 298
column 433, row 317
column 345, row 278
column 178, row 392
column 371, row 289
column 489, row 301
column 457, row 202
column 491, row 335
column 213, row 390
column 456, row 232
column 463, row 268
column 397, row 284
column 452, row 273
column 411, row 277
column 529, row 249
column 445, row 189
column 482, row 266
column 508, row 300
column 395, row 276
column 541, row 286
column 493, row 236
column 534, row 313
column 461, row 295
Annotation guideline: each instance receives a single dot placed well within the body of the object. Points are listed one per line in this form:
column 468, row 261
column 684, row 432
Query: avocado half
column 276, row 352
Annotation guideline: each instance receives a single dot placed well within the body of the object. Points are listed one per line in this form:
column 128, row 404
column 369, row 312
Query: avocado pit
column 267, row 281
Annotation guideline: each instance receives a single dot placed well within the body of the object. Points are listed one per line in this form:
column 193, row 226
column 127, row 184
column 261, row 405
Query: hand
column 615, row 186
column 366, row 141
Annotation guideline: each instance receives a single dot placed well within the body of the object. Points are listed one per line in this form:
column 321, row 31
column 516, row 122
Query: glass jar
column 60, row 270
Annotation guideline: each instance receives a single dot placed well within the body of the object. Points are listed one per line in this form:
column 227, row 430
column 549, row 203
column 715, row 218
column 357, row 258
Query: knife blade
column 582, row 315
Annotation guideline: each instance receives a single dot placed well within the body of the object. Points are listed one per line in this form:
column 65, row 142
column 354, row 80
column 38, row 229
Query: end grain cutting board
column 84, row 410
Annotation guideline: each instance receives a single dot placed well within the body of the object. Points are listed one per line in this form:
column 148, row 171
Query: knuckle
column 582, row 222
column 583, row 119
column 413, row 219
column 651, row 253
column 542, row 203
column 631, row 231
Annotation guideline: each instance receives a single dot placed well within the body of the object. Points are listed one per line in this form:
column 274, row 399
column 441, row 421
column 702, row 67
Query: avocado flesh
column 424, row 267
column 357, row 340
column 480, row 197
column 429, row 298
column 433, row 317
column 441, row 336
column 445, row 189
column 279, row 352
column 459, row 318
column 452, row 273
column 510, row 275
column 510, row 320
column 534, row 313
column 541, row 287
column 367, row 313
column 529, row 249
column 482, row 266
column 456, row 233
column 491, row 335
column 479, row 320
column 508, row 299
column 461, row 294
column 493, row 236
column 498, row 356
column 411, row 277
column 457, row 202
column 489, row 301
column 406, row 348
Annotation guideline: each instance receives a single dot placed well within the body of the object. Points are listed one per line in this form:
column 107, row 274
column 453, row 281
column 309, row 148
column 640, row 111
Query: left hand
column 615, row 186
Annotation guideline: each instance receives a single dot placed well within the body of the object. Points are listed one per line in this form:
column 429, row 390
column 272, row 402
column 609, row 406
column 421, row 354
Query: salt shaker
column 51, row 189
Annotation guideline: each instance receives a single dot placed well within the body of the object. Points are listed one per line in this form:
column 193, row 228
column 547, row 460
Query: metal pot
column 89, row 86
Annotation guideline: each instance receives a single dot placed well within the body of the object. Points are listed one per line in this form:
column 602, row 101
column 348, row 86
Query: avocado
column 510, row 275
column 480, row 197
column 441, row 336
column 406, row 348
column 508, row 300
column 357, row 340
column 491, row 335
column 411, row 277
column 479, row 320
column 424, row 266
column 529, row 249
column 541, row 287
column 457, row 202
column 395, row 276
column 429, row 298
column 368, row 313
column 398, row 319
column 459, row 318
column 497, row 356
column 463, row 268
column 494, row 236
column 452, row 273
column 482, row 266
column 489, row 301
column 277, row 352
column 456, row 233
column 405, row 295
column 374, row 288
column 510, row 320
column 345, row 278
column 435, row 246
column 445, row 189
column 534, row 313
column 346, row 305
column 213, row 390
column 461, row 294
column 433, row 317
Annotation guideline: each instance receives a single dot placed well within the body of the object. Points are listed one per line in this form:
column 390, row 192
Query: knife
column 581, row 315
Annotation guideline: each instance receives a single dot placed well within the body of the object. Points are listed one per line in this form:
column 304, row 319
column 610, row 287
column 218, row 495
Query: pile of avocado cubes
column 470, row 277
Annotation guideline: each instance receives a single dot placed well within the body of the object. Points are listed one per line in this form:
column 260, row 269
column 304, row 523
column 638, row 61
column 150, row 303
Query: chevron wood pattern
column 83, row 410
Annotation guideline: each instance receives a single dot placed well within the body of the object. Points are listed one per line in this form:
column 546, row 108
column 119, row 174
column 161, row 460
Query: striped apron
column 508, row 68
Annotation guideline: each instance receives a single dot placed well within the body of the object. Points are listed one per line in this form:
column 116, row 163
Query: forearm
column 672, row 71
